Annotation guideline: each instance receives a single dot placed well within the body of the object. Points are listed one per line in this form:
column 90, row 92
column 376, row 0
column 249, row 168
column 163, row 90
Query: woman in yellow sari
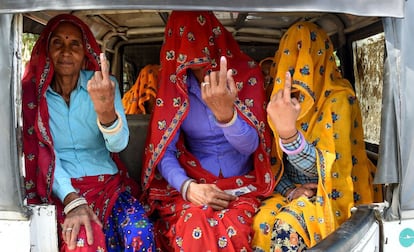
column 140, row 98
column 266, row 64
column 316, row 121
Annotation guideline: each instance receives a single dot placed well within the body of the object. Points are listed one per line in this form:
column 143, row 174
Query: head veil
column 330, row 119
column 192, row 40
column 37, row 140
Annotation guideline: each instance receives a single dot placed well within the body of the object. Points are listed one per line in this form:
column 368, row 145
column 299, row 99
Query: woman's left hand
column 102, row 92
column 83, row 215
column 308, row 190
column 210, row 195
column 219, row 92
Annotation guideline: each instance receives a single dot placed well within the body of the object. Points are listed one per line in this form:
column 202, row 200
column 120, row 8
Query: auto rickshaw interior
column 132, row 39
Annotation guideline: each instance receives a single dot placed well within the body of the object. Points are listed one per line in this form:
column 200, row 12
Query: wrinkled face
column 66, row 49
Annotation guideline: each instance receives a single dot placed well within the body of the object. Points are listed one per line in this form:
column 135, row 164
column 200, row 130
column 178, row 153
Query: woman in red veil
column 206, row 163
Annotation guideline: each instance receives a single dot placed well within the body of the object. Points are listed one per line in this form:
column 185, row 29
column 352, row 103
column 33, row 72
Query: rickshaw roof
column 390, row 8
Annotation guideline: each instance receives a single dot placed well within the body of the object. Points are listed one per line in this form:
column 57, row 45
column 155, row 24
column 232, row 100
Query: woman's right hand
column 220, row 93
column 209, row 194
column 284, row 110
column 81, row 215
column 101, row 89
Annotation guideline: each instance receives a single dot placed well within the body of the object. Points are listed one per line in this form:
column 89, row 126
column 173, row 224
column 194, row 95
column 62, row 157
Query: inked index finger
column 288, row 86
column 104, row 66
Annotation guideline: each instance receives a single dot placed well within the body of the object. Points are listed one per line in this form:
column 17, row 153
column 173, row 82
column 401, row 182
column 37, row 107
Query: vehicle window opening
column 368, row 72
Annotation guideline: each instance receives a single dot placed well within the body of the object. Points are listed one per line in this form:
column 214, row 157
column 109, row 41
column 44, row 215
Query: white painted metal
column 15, row 235
column 369, row 242
column 43, row 229
column 38, row 233
column 399, row 236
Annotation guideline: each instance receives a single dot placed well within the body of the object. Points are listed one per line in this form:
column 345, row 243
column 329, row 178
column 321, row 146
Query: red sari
column 198, row 39
column 38, row 142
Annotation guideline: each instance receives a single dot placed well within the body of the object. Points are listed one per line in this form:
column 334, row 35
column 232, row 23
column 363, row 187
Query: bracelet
column 74, row 204
column 107, row 125
column 231, row 122
column 184, row 188
column 110, row 131
column 290, row 195
column 298, row 150
column 287, row 138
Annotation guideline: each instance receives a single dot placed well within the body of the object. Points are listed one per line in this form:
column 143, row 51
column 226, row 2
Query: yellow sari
column 330, row 119
column 144, row 90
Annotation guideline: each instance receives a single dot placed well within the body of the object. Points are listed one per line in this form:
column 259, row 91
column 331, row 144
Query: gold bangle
column 110, row 131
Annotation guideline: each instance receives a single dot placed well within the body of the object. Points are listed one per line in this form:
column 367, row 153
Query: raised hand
column 284, row 110
column 219, row 92
column 102, row 92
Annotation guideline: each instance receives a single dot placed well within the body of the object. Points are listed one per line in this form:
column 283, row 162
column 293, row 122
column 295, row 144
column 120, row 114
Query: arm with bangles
column 283, row 111
column 198, row 194
column 301, row 156
column 107, row 104
column 78, row 214
column 240, row 135
column 104, row 92
column 218, row 92
column 343, row 128
column 76, row 208
column 220, row 96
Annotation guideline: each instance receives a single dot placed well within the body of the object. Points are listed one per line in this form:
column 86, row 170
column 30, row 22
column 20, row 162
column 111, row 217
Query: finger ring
column 68, row 229
column 203, row 84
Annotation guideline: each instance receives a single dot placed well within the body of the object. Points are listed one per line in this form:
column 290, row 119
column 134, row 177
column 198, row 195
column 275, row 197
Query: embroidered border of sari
column 197, row 39
column 37, row 139
column 172, row 100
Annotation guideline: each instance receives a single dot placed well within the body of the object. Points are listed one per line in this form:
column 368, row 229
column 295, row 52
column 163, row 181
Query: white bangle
column 232, row 121
column 110, row 131
column 74, row 204
column 184, row 188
